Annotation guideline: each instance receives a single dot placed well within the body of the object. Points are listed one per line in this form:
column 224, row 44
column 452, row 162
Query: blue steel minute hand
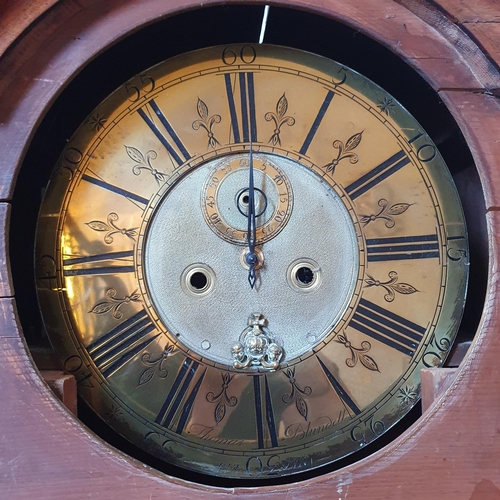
column 251, row 257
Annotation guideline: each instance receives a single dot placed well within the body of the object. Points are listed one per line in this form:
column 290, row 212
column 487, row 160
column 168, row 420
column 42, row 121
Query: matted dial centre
column 308, row 272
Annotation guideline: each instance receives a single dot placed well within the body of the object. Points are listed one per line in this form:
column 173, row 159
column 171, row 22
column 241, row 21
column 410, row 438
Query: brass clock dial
column 143, row 264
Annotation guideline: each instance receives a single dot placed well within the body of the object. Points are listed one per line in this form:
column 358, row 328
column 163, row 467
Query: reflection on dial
column 320, row 233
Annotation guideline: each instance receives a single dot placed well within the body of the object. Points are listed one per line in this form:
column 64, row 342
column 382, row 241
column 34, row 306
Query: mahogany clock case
column 226, row 25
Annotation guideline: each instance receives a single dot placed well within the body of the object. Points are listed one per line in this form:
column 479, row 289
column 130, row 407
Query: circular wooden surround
column 451, row 452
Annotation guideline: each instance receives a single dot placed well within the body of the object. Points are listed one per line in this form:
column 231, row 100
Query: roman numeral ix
column 264, row 414
column 317, row 121
column 347, row 401
column 126, row 257
column 115, row 189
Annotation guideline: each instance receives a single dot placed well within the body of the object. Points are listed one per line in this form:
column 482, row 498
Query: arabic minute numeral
column 139, row 86
column 246, row 55
column 425, row 152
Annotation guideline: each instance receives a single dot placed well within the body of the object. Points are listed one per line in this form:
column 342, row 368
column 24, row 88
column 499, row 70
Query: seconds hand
column 251, row 257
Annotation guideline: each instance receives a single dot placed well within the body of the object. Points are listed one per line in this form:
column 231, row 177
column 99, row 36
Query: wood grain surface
column 452, row 452
column 17, row 15
column 6, row 286
column 478, row 115
column 434, row 382
column 477, row 60
column 487, row 36
column 475, row 11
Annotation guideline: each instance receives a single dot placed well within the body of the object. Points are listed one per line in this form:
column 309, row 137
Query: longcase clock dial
column 245, row 255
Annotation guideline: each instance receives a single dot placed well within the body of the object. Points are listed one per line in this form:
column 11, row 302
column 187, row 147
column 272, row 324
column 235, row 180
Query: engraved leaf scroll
column 114, row 303
column 296, row 393
column 358, row 354
column 222, row 400
column 345, row 151
column 386, row 213
column 144, row 163
column 279, row 119
column 207, row 122
column 155, row 365
column 111, row 228
column 391, row 286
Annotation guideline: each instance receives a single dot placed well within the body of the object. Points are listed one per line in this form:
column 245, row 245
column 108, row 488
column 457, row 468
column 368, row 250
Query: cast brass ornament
column 246, row 255
column 256, row 348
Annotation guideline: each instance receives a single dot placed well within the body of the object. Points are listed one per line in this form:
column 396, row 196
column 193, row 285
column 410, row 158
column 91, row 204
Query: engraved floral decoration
column 345, row 152
column 144, row 163
column 113, row 303
column 114, row 413
column 386, row 213
column 437, row 351
column 222, row 399
column 386, row 105
column 392, row 286
column 111, row 228
column 358, row 354
column 207, row 122
column 279, row 119
column 408, row 395
column 296, row 393
column 97, row 122
column 154, row 365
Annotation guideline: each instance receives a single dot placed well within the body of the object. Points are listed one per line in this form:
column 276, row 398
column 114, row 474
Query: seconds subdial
column 225, row 199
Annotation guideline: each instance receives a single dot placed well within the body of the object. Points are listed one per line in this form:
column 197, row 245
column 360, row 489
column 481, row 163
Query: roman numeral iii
column 84, row 266
column 405, row 247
